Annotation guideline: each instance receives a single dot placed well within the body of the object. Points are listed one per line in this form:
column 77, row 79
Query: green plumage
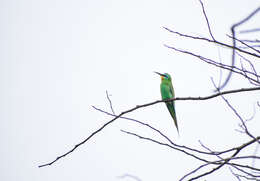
column 167, row 92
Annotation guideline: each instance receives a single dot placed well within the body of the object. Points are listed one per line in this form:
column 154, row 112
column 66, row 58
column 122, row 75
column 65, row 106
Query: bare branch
column 212, row 41
column 191, row 149
column 239, row 117
column 225, row 162
column 250, row 30
column 233, row 173
column 220, row 162
column 159, row 132
column 242, row 42
column 251, row 41
column 234, row 43
column 110, row 103
column 205, row 15
column 253, row 70
column 146, row 105
column 229, row 157
column 220, row 65
column 130, row 176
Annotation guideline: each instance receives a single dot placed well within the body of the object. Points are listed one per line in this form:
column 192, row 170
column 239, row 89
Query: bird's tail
column 173, row 114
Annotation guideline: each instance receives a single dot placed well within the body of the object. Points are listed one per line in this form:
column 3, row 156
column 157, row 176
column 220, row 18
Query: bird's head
column 165, row 76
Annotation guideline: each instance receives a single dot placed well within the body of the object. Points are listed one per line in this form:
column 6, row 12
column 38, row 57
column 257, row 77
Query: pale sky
column 58, row 58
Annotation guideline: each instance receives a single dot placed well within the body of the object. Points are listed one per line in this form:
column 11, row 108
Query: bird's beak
column 162, row 75
column 159, row 74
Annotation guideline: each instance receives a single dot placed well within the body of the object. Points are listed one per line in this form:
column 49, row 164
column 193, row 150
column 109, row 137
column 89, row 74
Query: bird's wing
column 171, row 107
column 172, row 91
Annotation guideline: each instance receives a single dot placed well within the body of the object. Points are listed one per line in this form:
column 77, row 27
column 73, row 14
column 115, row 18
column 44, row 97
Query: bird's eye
column 166, row 76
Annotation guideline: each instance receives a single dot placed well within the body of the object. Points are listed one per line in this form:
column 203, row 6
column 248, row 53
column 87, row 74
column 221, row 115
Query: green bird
column 167, row 92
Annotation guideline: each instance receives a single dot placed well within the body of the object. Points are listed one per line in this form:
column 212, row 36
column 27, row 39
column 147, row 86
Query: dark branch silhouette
column 212, row 41
column 234, row 26
column 146, row 105
column 233, row 47
column 220, row 65
column 130, row 176
column 211, row 161
column 206, row 17
column 110, row 103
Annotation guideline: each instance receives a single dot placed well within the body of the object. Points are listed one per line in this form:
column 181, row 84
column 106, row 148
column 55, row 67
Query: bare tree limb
column 250, row 30
column 146, row 105
column 253, row 70
column 239, row 117
column 226, row 161
column 251, row 41
column 163, row 135
column 130, row 176
column 220, row 162
column 205, row 15
column 220, row 65
column 242, row 42
column 234, row 43
column 212, row 41
column 110, row 103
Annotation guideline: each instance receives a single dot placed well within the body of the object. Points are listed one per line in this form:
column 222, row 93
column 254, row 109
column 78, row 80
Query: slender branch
column 239, row 117
column 220, row 162
column 238, row 149
column 245, row 172
column 205, row 15
column 84, row 141
column 212, row 41
column 247, row 18
column 194, row 170
column 160, row 133
column 185, row 147
column 251, row 65
column 233, row 47
column 250, row 31
column 146, row 105
column 110, row 103
column 233, row 173
column 209, row 61
column 129, row 176
column 226, row 160
column 233, row 32
column 251, row 41
column 165, row 144
column 242, row 42
column 235, row 165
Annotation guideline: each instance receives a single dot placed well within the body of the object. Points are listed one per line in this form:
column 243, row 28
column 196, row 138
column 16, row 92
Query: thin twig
column 205, row 15
column 233, row 32
column 233, row 173
column 165, row 144
column 146, row 105
column 238, row 116
column 159, row 132
column 214, row 63
column 110, row 103
column 251, row 65
column 212, row 41
column 251, row 41
column 225, row 162
column 250, row 31
column 220, row 162
column 129, row 176
column 248, row 46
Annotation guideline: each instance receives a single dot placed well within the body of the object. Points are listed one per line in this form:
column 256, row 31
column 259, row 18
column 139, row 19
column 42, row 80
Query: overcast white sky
column 57, row 59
